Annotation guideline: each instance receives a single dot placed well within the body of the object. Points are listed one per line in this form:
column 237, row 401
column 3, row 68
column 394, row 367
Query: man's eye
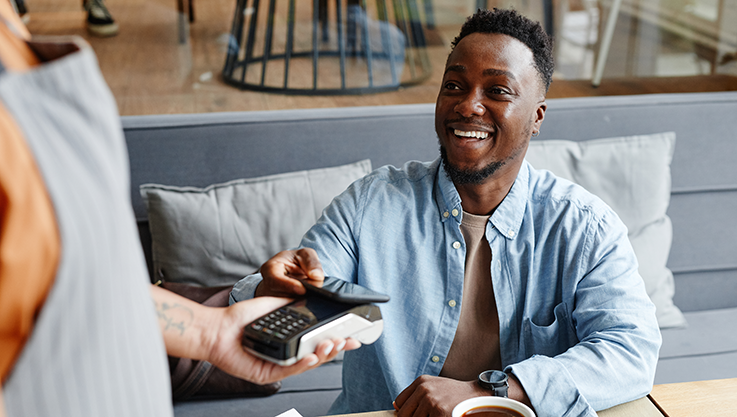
column 451, row 86
column 498, row 91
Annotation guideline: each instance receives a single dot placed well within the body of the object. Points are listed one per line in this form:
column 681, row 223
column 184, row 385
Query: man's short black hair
column 509, row 22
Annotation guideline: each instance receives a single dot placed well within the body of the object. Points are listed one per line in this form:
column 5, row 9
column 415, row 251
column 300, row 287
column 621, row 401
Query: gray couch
column 198, row 150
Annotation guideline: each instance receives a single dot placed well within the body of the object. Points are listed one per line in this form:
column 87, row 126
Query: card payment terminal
column 292, row 332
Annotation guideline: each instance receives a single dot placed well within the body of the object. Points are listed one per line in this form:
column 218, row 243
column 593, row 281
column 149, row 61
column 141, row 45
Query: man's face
column 490, row 102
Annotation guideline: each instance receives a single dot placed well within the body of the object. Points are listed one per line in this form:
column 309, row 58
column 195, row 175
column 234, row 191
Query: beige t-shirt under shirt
column 475, row 347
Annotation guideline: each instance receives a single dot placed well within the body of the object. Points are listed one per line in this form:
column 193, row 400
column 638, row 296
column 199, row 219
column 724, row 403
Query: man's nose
column 471, row 105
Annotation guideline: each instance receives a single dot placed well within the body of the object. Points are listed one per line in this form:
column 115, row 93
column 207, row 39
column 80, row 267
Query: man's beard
column 466, row 176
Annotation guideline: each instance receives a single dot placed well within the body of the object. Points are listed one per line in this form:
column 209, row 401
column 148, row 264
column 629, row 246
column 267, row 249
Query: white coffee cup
column 481, row 402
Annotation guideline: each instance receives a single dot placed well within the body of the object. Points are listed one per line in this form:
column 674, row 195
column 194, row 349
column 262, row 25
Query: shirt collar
column 507, row 218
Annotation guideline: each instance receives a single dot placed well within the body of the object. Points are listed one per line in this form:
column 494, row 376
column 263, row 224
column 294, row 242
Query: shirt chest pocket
column 543, row 337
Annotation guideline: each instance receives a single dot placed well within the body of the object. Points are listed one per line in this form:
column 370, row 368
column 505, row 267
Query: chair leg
column 548, row 17
column 181, row 23
column 606, row 42
column 322, row 13
column 430, row 14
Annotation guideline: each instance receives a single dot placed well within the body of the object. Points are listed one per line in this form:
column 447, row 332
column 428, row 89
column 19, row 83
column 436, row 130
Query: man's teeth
column 479, row 135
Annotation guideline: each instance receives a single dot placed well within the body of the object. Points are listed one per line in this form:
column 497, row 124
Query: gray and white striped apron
column 96, row 349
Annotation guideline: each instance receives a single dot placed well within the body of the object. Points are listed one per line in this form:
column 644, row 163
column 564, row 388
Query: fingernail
column 340, row 346
column 313, row 361
column 328, row 349
column 394, row 404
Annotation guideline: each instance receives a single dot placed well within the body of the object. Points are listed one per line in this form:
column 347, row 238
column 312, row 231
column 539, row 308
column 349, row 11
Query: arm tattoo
column 174, row 316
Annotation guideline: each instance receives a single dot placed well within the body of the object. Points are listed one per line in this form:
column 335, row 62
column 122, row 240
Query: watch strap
column 501, row 391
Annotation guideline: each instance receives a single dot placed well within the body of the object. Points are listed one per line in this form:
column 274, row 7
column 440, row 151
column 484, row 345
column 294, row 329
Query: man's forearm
column 185, row 325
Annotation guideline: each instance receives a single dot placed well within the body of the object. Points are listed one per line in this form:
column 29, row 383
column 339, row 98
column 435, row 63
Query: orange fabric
column 30, row 245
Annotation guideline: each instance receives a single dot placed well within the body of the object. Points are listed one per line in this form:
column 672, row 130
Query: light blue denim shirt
column 576, row 326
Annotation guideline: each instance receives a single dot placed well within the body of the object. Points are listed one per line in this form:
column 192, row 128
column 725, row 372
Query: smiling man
column 491, row 264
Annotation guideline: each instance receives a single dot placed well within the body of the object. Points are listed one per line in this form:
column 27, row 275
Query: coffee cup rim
column 475, row 402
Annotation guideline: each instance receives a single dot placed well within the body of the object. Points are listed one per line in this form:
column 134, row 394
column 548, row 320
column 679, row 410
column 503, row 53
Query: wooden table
column 715, row 398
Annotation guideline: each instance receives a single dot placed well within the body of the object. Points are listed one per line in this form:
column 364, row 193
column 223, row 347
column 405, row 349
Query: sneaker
column 99, row 20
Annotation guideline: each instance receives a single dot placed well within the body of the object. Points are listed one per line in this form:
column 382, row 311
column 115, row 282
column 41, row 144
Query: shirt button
column 452, row 303
column 446, row 214
column 456, row 245
column 435, row 359
column 510, row 233
column 455, row 212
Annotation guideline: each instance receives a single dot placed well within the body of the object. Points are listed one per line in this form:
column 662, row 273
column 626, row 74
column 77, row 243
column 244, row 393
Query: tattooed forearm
column 175, row 317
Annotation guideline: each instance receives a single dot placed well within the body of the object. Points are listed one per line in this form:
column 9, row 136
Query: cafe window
column 166, row 59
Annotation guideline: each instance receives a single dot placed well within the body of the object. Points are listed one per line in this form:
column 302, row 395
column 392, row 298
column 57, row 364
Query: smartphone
column 342, row 291
column 292, row 332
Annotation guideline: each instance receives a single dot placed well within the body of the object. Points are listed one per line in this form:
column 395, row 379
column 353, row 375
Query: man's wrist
column 213, row 321
column 517, row 391
column 245, row 289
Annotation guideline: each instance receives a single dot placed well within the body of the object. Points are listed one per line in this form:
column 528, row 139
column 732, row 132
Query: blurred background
column 170, row 56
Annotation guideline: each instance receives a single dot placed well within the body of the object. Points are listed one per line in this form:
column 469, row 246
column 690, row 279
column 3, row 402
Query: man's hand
column 194, row 331
column 228, row 354
column 435, row 396
column 281, row 273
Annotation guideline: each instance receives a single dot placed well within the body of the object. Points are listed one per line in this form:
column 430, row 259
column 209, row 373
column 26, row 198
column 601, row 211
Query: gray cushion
column 632, row 175
column 218, row 234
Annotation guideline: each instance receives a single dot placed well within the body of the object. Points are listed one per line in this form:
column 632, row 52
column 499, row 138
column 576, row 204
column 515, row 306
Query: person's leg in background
column 99, row 20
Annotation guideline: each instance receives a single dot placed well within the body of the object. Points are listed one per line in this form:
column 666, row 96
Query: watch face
column 495, row 378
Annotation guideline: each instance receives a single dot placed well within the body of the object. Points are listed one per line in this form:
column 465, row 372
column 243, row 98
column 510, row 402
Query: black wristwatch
column 495, row 381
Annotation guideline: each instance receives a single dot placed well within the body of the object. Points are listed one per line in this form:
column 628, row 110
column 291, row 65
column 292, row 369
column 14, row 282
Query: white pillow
column 632, row 175
column 216, row 235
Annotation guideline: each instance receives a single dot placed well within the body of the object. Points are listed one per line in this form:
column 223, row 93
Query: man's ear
column 542, row 107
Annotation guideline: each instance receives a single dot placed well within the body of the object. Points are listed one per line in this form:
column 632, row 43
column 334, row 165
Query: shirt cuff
column 245, row 289
column 550, row 387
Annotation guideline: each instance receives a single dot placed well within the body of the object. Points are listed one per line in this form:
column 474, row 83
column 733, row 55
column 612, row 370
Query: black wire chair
column 337, row 47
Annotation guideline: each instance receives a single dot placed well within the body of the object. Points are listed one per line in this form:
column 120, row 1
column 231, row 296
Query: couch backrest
column 199, row 150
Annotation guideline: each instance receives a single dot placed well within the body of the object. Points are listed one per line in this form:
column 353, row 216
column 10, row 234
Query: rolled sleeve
column 550, row 388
